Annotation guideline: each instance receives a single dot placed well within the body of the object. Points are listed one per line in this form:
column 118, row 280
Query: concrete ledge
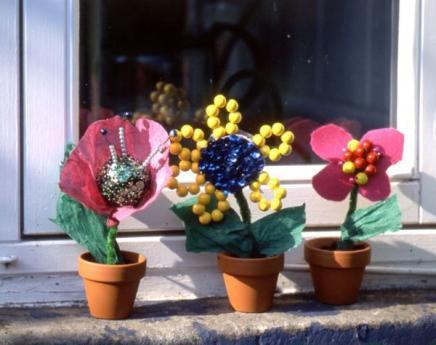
column 382, row 317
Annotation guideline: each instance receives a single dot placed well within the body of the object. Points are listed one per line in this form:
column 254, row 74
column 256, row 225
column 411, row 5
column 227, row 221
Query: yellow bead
column 209, row 188
column 274, row 183
column 175, row 136
column 274, row 154
column 219, row 132
column 255, row 196
column 212, row 110
column 172, row 183
column 264, row 204
column 204, row 199
column 288, row 137
column 213, row 122
column 200, row 179
column 285, row 149
column 220, row 196
column 202, row 144
column 182, row 191
column 278, row 129
column 187, row 131
column 265, row 131
column 353, row 144
column 185, row 154
column 263, row 177
column 255, row 185
column 265, row 150
column 280, row 193
column 223, row 205
column 361, row 178
column 195, row 155
column 348, row 167
column 198, row 209
column 175, row 148
column 231, row 128
column 258, row 140
column 220, row 101
column 235, row 117
column 193, row 188
column 195, row 168
column 185, row 165
column 276, row 204
column 217, row 216
column 198, row 134
column 174, row 170
column 205, row 218
column 232, row 106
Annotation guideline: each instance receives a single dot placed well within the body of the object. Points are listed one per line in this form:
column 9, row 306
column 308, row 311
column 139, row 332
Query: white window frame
column 49, row 100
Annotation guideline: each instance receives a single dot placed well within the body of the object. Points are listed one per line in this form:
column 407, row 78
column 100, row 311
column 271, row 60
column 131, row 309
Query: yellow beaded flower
column 227, row 161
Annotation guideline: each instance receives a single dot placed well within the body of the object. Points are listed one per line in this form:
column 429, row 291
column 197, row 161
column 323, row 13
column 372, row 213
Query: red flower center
column 360, row 160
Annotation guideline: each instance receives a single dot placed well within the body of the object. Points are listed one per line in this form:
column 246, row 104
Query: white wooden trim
column 407, row 92
column 427, row 129
column 399, row 249
column 47, row 103
column 10, row 121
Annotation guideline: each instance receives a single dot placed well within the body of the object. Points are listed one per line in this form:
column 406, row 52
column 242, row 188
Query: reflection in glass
column 302, row 62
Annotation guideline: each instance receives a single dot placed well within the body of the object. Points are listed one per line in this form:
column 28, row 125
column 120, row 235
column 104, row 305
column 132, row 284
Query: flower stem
column 243, row 206
column 348, row 244
column 111, row 246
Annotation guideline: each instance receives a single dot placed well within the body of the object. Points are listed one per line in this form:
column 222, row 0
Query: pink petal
column 391, row 141
column 328, row 141
column 78, row 181
column 378, row 186
column 154, row 135
column 331, row 183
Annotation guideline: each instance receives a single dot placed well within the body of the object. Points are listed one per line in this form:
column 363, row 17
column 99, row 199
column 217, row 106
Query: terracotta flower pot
column 111, row 289
column 250, row 283
column 336, row 274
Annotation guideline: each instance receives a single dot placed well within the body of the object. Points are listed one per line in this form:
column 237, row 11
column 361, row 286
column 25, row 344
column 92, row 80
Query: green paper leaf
column 372, row 221
column 82, row 225
column 230, row 235
column 280, row 231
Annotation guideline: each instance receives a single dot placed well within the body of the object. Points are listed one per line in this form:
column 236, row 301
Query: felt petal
column 152, row 135
column 78, row 181
column 328, row 141
column 378, row 186
column 331, row 183
column 390, row 140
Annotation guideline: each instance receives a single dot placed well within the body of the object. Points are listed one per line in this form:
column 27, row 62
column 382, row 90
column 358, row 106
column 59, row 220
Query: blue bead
column 231, row 163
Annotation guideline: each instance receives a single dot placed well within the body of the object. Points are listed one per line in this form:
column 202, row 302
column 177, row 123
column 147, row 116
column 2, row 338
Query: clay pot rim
column 309, row 244
column 239, row 259
column 140, row 261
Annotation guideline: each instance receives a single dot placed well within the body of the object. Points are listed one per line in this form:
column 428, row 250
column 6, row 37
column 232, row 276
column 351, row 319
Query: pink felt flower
column 329, row 142
column 78, row 177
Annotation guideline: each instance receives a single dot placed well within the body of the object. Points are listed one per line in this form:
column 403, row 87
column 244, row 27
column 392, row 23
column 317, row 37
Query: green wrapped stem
column 348, row 244
column 243, row 206
column 111, row 246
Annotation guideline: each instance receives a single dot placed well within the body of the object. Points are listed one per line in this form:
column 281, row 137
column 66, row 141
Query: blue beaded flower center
column 231, row 163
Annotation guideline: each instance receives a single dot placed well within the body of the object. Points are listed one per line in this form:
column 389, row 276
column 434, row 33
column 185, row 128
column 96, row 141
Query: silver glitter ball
column 124, row 182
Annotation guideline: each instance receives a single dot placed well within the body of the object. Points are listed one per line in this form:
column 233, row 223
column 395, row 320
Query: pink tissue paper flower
column 329, row 142
column 78, row 176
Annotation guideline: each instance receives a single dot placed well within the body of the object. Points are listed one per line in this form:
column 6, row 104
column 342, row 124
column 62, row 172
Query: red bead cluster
column 360, row 159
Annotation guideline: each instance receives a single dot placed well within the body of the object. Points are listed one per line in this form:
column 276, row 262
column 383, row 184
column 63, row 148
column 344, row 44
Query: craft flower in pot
column 355, row 167
column 115, row 170
column 225, row 163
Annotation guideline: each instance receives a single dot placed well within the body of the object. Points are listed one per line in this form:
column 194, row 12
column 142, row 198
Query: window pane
column 302, row 62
